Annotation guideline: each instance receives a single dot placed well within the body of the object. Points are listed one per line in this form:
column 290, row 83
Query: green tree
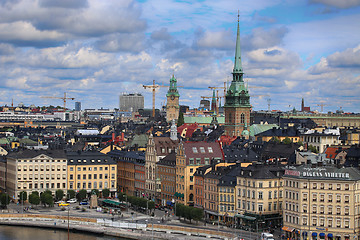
column 46, row 198
column 287, row 141
column 151, row 205
column 197, row 214
column 4, row 199
column 34, row 198
column 275, row 139
column 71, row 193
column 81, row 195
column 59, row 194
column 35, row 192
column 105, row 192
column 181, row 120
column 180, row 210
column 121, row 196
column 313, row 149
column 23, row 196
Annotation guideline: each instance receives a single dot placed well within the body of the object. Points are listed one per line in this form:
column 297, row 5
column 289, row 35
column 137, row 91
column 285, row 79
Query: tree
column 46, row 198
column 121, row 196
column 59, row 194
column 197, row 214
column 181, row 120
column 23, row 196
column 313, row 149
column 105, row 193
column 4, row 199
column 275, row 139
column 81, row 195
column 151, row 205
column 71, row 193
column 287, row 140
column 35, row 192
column 34, row 198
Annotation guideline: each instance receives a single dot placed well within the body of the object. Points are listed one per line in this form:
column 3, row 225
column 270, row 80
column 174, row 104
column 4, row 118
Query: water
column 28, row 233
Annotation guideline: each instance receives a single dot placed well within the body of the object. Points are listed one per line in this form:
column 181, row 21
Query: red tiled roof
column 227, row 140
column 187, row 129
column 202, row 151
column 331, row 152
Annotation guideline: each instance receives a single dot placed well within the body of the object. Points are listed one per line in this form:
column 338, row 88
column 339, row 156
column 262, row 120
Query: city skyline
column 96, row 50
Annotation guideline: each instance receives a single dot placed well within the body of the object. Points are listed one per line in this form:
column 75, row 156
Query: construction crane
column 63, row 98
column 217, row 101
column 224, row 87
column 153, row 87
column 322, row 106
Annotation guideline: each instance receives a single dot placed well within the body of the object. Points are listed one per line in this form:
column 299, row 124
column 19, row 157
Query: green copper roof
column 238, row 65
column 237, row 94
column 173, row 88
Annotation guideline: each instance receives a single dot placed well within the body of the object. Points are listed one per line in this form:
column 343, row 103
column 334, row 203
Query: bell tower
column 237, row 104
column 172, row 104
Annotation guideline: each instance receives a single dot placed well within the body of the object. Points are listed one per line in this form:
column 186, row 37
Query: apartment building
column 157, row 148
column 259, row 196
column 199, row 185
column 321, row 202
column 35, row 170
column 190, row 156
column 167, row 174
column 321, row 139
column 91, row 170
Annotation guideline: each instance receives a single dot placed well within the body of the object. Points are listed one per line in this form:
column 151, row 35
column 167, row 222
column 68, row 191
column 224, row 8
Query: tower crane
column 322, row 106
column 153, row 87
column 217, row 101
column 63, row 98
column 224, row 87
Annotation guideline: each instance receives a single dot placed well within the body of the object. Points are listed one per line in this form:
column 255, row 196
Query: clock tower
column 172, row 104
column 237, row 100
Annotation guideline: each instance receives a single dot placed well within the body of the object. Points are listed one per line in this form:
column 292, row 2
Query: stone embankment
column 117, row 229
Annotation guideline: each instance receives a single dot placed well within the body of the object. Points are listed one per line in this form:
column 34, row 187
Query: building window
column 260, row 195
column 191, row 161
column 242, row 118
column 194, row 149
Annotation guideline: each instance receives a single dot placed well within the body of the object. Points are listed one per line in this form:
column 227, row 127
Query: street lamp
column 152, row 228
column 68, row 217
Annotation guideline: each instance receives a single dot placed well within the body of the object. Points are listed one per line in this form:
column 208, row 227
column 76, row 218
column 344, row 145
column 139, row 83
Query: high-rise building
column 77, row 106
column 237, row 105
column 131, row 102
column 172, row 104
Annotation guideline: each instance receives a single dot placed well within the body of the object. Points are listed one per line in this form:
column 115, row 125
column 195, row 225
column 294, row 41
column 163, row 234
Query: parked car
column 73, row 200
column 84, row 202
column 63, row 204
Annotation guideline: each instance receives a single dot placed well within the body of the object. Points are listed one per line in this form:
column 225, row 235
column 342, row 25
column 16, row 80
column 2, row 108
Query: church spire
column 238, row 71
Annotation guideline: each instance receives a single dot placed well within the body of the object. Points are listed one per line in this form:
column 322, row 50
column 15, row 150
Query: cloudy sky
column 96, row 50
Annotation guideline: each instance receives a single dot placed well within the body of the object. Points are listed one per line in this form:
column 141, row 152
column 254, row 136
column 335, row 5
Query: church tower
column 172, row 104
column 237, row 100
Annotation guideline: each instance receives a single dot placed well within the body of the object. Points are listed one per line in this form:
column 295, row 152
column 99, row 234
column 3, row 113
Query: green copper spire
column 173, row 87
column 237, row 65
column 237, row 94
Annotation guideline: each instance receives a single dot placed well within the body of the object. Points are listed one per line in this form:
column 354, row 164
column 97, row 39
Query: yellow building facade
column 321, row 202
column 91, row 170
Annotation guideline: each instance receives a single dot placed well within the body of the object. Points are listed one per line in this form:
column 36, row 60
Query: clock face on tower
column 172, row 97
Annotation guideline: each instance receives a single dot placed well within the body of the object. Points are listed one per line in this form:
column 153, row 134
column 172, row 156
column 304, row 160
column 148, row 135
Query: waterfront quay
column 130, row 225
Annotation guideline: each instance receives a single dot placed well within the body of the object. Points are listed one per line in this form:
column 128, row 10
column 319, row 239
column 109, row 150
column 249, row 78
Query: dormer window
column 195, row 150
column 210, row 149
column 202, row 149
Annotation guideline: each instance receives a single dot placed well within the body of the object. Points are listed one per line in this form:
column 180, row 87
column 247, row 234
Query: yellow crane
column 63, row 98
column 153, row 87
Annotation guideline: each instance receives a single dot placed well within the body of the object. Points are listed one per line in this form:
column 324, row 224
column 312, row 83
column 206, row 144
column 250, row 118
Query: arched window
column 242, row 118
